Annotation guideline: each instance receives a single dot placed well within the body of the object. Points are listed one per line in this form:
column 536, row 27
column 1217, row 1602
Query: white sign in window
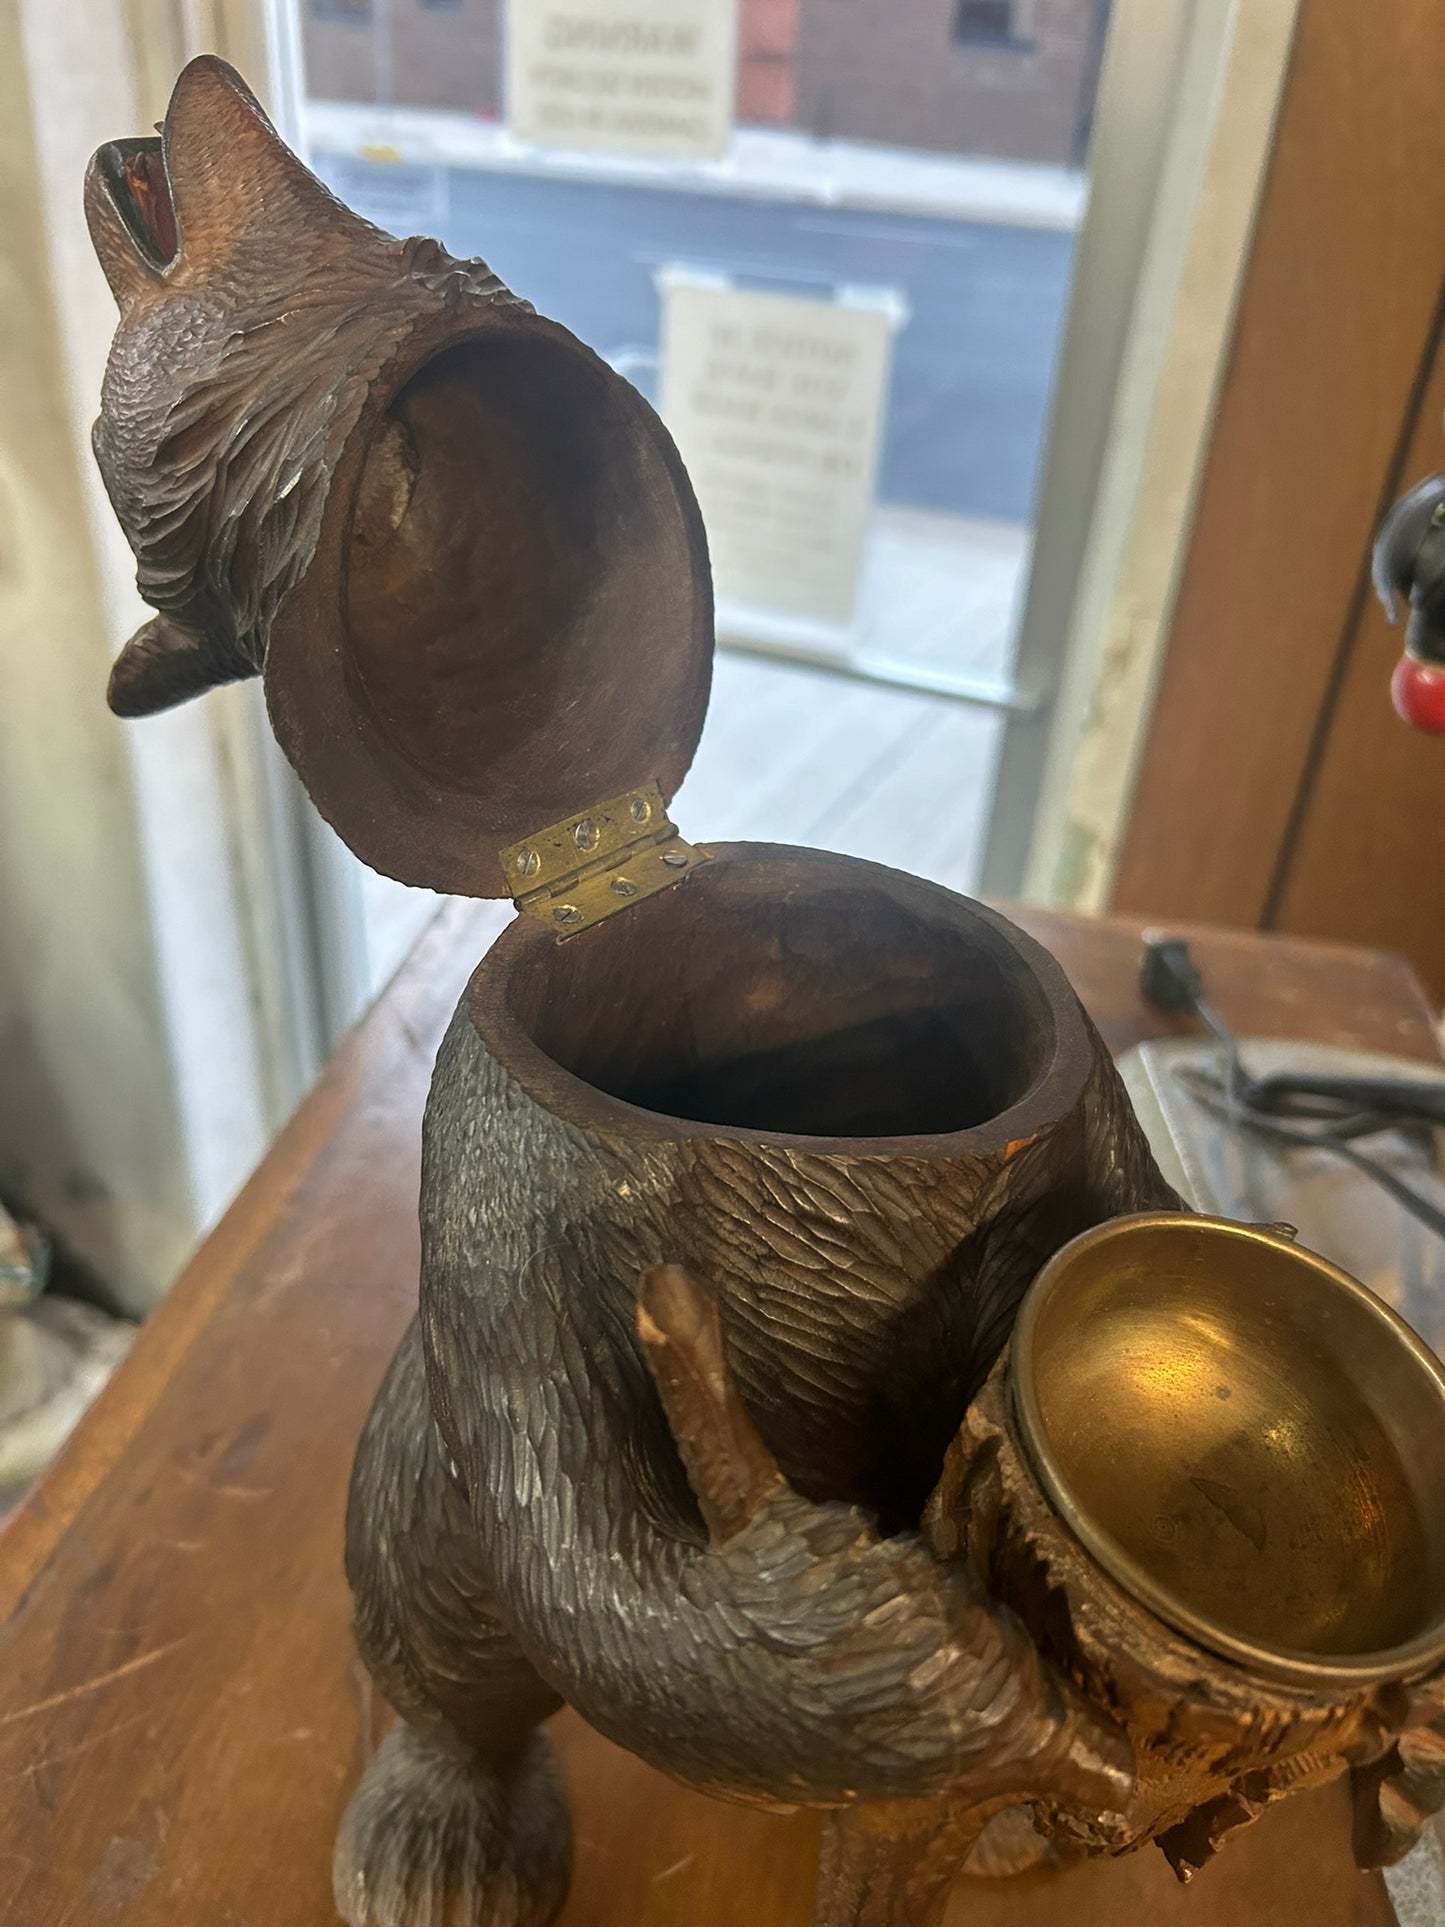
column 648, row 77
column 776, row 404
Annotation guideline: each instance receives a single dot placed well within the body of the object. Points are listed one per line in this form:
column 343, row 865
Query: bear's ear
column 231, row 174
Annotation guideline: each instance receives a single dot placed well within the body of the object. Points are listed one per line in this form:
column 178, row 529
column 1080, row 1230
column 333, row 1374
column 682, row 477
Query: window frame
column 1019, row 37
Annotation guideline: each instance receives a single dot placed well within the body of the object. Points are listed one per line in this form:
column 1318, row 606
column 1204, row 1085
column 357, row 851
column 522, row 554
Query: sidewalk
column 901, row 777
column 939, row 594
column 763, row 164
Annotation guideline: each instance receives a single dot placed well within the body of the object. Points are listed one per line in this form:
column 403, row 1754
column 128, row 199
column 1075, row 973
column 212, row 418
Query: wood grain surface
column 1370, row 843
column 181, row 1713
column 1335, row 323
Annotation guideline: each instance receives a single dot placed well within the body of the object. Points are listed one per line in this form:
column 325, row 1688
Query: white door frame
column 1187, row 104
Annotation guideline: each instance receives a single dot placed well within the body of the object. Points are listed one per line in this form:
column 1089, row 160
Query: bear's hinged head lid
column 461, row 551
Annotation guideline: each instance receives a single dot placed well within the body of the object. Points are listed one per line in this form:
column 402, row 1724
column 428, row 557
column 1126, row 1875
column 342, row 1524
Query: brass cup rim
column 1410, row 1659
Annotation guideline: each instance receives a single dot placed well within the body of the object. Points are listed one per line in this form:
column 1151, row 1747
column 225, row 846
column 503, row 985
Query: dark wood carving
column 460, row 549
column 728, row 1204
column 862, row 1111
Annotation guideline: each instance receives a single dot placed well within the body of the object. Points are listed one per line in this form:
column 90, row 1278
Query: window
column 991, row 23
column 868, row 644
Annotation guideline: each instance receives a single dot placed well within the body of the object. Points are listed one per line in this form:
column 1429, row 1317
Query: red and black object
column 1410, row 567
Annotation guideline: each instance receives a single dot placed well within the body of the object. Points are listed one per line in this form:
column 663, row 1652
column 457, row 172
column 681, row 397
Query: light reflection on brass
column 1246, row 1439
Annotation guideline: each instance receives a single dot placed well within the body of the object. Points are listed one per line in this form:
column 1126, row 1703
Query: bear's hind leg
column 460, row 1819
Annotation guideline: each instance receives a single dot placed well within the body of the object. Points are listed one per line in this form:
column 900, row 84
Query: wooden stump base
column 1214, row 1744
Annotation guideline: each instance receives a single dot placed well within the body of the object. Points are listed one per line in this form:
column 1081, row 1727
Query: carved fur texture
column 255, row 313
column 687, row 1392
column 661, row 1441
column 810, row 1656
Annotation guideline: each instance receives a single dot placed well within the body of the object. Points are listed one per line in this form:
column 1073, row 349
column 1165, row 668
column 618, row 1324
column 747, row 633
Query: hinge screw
column 622, row 888
column 641, row 809
column 675, row 860
column 566, row 913
column 586, row 835
column 528, row 863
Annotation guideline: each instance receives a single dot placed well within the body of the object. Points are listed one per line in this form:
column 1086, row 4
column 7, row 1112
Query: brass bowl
column 1246, row 1439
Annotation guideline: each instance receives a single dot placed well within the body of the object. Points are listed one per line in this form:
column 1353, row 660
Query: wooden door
column 1277, row 790
column 1365, row 857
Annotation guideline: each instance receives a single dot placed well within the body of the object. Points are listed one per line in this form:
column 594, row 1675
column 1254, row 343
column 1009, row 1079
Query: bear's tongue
column 152, row 210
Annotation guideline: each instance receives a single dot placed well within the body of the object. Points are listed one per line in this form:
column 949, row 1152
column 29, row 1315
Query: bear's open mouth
column 140, row 191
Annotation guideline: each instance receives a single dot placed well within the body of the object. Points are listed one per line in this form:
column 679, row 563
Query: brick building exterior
column 440, row 53
column 1014, row 78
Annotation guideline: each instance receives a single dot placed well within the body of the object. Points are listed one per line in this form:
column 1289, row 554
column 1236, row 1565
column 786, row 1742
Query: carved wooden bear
column 727, row 1202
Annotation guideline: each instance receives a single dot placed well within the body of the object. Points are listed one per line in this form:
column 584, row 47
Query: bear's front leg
column 460, row 1817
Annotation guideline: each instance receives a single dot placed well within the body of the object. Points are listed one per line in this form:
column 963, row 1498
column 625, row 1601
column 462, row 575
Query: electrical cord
column 1311, row 1112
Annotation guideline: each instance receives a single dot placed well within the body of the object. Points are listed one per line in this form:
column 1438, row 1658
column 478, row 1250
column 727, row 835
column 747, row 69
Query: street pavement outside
column 973, row 364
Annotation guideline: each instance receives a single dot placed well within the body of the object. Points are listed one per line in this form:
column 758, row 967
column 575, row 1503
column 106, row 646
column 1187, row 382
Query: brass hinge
column 588, row 867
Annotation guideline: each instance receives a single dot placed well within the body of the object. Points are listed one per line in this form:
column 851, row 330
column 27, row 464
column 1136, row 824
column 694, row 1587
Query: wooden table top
column 181, row 1714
